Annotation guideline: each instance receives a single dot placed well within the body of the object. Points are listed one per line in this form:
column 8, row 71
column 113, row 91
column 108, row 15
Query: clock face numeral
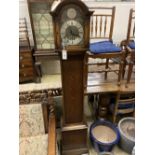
column 71, row 32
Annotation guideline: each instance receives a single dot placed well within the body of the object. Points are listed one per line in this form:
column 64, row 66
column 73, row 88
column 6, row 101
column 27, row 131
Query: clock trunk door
column 72, row 83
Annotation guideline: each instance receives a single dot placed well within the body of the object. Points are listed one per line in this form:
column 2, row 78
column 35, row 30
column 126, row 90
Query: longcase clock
column 42, row 26
column 71, row 19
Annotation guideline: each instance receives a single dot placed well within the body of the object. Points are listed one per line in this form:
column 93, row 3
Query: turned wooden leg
column 106, row 67
column 131, row 64
column 120, row 73
column 38, row 71
column 129, row 72
column 91, row 98
column 123, row 44
column 124, row 69
column 124, row 64
column 116, row 107
column 103, row 103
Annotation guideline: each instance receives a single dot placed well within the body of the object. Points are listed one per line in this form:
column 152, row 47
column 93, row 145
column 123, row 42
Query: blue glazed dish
column 100, row 146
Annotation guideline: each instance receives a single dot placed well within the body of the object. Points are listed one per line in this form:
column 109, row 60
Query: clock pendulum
column 71, row 20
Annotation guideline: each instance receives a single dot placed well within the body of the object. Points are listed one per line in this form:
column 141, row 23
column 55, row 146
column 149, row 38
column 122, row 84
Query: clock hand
column 72, row 35
column 71, row 31
column 75, row 32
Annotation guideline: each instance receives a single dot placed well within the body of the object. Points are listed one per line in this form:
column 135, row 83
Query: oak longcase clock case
column 71, row 21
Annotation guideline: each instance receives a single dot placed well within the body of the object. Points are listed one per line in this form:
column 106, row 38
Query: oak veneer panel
column 73, row 92
column 75, row 151
column 74, row 140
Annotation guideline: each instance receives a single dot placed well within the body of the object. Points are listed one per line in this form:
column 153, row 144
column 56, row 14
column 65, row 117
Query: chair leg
column 103, row 103
column 91, row 98
column 124, row 68
column 124, row 64
column 130, row 69
column 115, row 108
column 38, row 71
column 120, row 73
column 129, row 73
column 38, row 68
column 106, row 67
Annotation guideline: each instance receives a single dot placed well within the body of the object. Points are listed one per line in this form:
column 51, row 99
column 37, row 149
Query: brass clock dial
column 72, row 32
column 72, row 26
column 71, row 13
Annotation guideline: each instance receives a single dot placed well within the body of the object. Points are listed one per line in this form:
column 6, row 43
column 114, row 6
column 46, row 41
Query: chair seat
column 103, row 47
column 36, row 145
column 131, row 44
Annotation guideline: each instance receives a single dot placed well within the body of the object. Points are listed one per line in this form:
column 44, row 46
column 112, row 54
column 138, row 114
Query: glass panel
column 43, row 27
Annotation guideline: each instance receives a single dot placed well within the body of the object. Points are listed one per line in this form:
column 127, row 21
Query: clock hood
column 61, row 4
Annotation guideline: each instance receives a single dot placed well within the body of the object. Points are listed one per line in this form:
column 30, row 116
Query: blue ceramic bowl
column 98, row 145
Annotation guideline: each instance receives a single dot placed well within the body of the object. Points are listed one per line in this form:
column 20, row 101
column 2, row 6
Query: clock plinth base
column 75, row 151
column 74, row 140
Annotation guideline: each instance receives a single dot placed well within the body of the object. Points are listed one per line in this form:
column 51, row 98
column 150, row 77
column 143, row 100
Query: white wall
column 121, row 17
column 119, row 33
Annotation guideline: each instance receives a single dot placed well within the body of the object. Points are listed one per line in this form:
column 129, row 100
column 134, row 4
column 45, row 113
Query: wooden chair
column 124, row 104
column 129, row 45
column 99, row 67
column 102, row 47
column 37, row 130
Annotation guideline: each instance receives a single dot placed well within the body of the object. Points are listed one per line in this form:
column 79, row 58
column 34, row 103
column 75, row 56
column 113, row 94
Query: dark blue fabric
column 103, row 47
column 125, row 106
column 122, row 106
column 131, row 44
